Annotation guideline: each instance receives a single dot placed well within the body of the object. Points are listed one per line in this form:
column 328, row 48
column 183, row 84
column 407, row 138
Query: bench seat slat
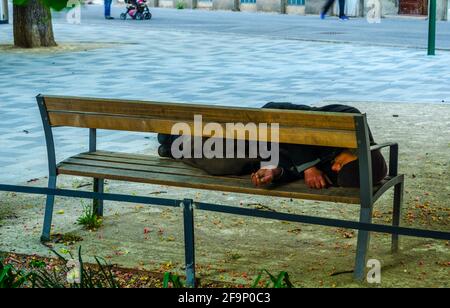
column 148, row 160
column 196, row 179
column 136, row 166
column 167, row 165
column 154, row 161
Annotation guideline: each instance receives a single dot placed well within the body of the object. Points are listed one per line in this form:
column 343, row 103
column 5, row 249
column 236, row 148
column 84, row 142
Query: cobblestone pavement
column 126, row 60
column 399, row 31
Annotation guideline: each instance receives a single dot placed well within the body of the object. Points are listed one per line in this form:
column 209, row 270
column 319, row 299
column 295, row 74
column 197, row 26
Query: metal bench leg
column 363, row 244
column 99, row 185
column 188, row 213
column 398, row 201
column 49, row 211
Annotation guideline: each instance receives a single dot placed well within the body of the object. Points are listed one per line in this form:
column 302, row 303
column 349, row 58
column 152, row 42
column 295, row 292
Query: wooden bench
column 296, row 127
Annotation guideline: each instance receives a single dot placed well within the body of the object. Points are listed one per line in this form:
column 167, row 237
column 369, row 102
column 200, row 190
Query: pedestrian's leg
column 327, row 6
column 341, row 8
column 108, row 8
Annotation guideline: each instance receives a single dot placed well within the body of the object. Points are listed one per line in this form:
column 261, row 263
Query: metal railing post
column 189, row 242
column 432, row 28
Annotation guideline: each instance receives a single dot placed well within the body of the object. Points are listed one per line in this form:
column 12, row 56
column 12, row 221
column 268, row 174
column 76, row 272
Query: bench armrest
column 383, row 145
column 393, row 155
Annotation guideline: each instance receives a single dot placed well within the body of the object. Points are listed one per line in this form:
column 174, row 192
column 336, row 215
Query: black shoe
column 109, row 17
column 165, row 151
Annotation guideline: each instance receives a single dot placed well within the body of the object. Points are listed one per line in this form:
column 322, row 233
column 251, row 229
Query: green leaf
column 288, row 282
column 274, row 280
column 20, row 2
column 174, row 279
column 166, row 280
column 57, row 5
column 257, row 280
column 177, row 282
column 281, row 281
column 5, row 272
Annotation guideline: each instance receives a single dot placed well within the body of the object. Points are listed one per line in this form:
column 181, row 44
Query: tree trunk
column 33, row 25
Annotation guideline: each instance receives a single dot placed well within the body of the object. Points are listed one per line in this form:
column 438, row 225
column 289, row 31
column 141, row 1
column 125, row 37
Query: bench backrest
column 295, row 127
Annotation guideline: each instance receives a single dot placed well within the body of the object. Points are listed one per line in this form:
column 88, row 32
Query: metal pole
column 4, row 17
column 432, row 29
column 189, row 241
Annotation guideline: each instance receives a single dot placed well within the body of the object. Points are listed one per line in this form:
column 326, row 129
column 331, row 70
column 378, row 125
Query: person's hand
column 315, row 178
column 265, row 176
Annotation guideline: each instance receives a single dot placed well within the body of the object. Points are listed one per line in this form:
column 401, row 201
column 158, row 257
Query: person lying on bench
column 320, row 167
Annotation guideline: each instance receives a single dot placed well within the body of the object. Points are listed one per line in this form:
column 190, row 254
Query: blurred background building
column 4, row 16
column 356, row 8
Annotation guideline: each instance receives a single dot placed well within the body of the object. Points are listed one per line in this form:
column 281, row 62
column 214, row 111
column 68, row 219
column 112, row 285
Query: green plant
column 37, row 264
column 180, row 5
column 11, row 278
column 57, row 5
column 281, row 281
column 89, row 219
column 172, row 279
column 99, row 275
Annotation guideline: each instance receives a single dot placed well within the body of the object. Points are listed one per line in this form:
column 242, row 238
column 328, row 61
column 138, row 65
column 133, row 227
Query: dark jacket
column 293, row 156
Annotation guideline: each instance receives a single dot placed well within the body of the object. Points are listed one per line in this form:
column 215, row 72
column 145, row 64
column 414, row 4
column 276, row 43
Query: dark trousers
column 108, row 8
column 329, row 3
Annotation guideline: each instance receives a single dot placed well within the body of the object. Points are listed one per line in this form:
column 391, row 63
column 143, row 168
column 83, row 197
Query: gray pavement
column 396, row 31
column 205, row 57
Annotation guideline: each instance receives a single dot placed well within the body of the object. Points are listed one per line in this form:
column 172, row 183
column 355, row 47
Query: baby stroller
column 136, row 9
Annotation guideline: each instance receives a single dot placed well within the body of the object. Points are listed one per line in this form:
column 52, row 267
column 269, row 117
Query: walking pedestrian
column 328, row 5
column 108, row 4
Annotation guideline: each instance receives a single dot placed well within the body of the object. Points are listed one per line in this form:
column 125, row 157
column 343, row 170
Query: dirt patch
column 61, row 48
column 124, row 277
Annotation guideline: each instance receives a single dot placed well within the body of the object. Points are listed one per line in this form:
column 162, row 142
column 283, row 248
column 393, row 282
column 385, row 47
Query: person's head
column 346, row 165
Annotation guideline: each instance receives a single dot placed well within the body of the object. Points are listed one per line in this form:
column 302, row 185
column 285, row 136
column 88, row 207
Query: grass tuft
column 89, row 220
